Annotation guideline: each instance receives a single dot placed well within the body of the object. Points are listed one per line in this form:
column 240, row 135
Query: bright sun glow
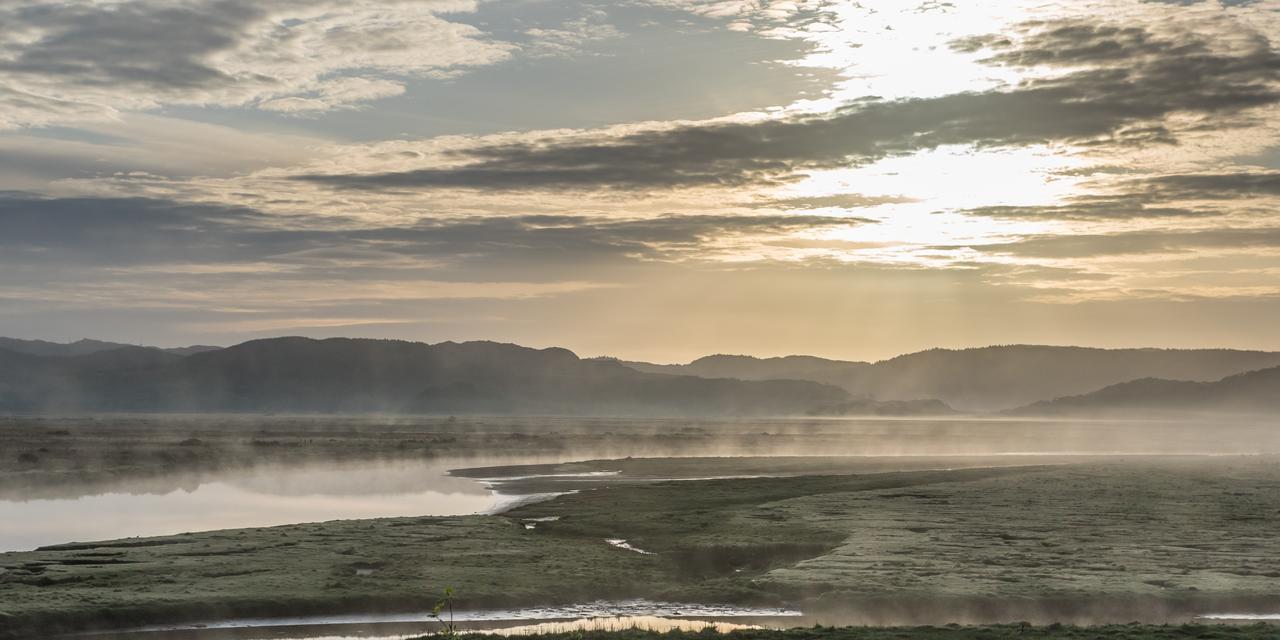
column 934, row 187
column 882, row 48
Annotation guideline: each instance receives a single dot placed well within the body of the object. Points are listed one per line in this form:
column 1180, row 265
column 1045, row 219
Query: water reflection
column 620, row 623
column 1241, row 617
column 598, row 615
column 250, row 497
column 402, row 631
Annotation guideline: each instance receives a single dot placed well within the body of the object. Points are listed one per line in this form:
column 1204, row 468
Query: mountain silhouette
column 84, row 347
column 359, row 375
column 1254, row 392
column 987, row 378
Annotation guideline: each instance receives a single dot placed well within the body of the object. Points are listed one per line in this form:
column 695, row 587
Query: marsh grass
column 441, row 608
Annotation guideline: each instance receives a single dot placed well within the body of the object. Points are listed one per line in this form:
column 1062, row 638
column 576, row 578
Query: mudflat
column 1142, row 538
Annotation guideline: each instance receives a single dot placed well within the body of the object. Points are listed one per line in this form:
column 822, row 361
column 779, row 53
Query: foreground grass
column 1123, row 540
column 1168, row 529
column 394, row 564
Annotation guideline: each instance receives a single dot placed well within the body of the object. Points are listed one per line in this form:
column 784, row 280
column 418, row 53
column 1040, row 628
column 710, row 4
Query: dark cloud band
column 141, row 231
column 1108, row 95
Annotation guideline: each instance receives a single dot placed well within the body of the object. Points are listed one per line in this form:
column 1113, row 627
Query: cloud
column 1213, row 186
column 1219, row 67
column 99, row 231
column 571, row 36
column 336, row 93
column 282, row 55
column 1137, row 243
column 214, row 268
column 134, row 232
column 1119, row 207
column 142, row 144
column 570, row 239
column 1080, row 43
column 1095, row 97
column 838, row 201
column 747, row 15
column 1173, row 195
column 22, row 108
column 149, row 46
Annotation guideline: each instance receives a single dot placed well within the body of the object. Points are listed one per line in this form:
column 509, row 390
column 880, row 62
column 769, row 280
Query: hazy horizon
column 686, row 360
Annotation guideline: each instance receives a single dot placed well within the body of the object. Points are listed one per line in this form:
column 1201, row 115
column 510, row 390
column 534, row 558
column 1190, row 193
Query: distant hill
column 350, row 375
column 346, row 375
column 84, row 347
column 1246, row 393
column 987, row 378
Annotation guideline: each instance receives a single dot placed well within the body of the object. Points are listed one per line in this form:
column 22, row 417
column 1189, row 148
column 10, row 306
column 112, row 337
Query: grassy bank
column 1114, row 541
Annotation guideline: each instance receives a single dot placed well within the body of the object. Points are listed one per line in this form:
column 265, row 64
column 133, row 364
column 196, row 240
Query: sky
column 648, row 179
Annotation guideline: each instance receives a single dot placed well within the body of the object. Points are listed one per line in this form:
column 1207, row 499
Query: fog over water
column 276, row 494
column 254, row 497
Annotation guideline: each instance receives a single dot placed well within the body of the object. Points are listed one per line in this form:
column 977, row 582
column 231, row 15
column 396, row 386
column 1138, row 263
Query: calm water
column 259, row 496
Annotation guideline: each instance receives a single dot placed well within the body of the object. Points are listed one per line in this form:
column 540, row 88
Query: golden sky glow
column 653, row 180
